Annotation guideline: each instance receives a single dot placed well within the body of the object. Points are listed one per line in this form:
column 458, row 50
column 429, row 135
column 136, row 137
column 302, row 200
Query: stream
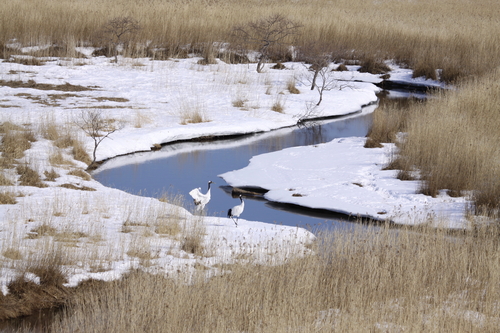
column 178, row 168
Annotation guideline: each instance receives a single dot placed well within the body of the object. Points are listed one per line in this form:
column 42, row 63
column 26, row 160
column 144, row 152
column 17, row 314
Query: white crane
column 236, row 211
column 200, row 199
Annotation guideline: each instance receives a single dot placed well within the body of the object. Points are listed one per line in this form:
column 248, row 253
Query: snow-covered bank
column 344, row 177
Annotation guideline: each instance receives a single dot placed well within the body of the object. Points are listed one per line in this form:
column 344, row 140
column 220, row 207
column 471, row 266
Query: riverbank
column 102, row 233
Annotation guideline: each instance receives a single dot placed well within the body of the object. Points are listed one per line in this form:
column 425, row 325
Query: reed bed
column 365, row 280
column 453, row 142
column 459, row 37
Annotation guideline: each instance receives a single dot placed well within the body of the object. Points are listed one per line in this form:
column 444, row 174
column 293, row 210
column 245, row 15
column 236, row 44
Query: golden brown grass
column 278, row 106
column 51, row 175
column 192, row 113
column 14, row 143
column 364, row 280
column 29, row 177
column 58, row 159
column 7, row 198
column 25, row 296
column 453, row 141
column 80, row 173
column 417, row 32
column 4, row 181
column 389, row 119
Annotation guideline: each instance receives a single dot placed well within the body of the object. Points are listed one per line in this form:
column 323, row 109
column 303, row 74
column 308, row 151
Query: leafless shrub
column 96, row 126
column 266, row 33
column 317, row 57
column 119, row 31
column 323, row 80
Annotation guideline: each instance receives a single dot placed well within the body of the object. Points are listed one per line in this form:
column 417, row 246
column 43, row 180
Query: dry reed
column 365, row 280
column 453, row 141
column 416, row 32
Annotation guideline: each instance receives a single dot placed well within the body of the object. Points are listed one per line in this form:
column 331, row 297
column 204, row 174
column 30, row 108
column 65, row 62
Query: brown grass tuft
column 29, row 177
column 14, row 143
column 7, row 198
column 13, row 254
column 373, row 66
column 80, row 173
column 278, row 107
column 51, row 175
column 4, row 181
column 290, row 85
column 25, row 297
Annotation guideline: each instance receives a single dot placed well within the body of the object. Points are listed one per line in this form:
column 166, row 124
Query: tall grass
column 414, row 32
column 361, row 281
column 453, row 141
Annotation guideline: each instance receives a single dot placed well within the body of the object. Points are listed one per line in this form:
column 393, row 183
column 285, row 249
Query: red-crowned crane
column 236, row 211
column 200, row 199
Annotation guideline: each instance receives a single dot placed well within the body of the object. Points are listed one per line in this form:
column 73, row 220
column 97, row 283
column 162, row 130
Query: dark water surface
column 178, row 168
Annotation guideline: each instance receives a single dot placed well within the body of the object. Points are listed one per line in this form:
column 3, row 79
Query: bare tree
column 265, row 33
column 317, row 56
column 119, row 30
column 325, row 80
column 94, row 125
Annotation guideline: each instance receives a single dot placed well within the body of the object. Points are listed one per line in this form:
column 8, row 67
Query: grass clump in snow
column 7, row 198
column 192, row 113
column 28, row 176
column 80, row 173
column 15, row 142
column 278, row 106
column 291, row 86
column 51, row 175
column 77, row 149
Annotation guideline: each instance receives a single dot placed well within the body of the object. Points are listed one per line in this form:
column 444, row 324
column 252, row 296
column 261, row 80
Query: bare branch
column 273, row 30
column 94, row 125
column 118, row 30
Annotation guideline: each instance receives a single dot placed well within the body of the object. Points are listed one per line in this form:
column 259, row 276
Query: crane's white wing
column 196, row 194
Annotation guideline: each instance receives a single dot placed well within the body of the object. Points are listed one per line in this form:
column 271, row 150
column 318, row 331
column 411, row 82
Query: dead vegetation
column 44, row 86
column 363, row 280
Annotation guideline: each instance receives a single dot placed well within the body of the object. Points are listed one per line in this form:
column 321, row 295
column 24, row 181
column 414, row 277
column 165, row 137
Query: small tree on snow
column 94, row 125
column 317, row 56
column 324, row 80
column 119, row 30
column 265, row 33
